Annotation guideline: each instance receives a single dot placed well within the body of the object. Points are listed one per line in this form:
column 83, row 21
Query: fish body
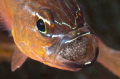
column 53, row 32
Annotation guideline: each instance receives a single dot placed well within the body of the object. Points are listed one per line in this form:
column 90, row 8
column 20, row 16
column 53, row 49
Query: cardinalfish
column 53, row 32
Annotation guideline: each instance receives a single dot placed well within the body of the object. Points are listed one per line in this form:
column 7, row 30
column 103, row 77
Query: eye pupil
column 41, row 25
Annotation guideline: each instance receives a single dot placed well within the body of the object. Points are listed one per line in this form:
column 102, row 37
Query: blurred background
column 102, row 16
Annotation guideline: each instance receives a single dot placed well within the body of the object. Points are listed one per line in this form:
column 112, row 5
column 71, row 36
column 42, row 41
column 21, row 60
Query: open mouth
column 75, row 50
column 81, row 52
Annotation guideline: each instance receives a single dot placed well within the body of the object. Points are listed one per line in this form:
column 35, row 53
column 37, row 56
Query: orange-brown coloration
column 6, row 14
column 68, row 23
column 109, row 58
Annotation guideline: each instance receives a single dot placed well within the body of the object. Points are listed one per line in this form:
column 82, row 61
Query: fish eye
column 41, row 26
column 44, row 21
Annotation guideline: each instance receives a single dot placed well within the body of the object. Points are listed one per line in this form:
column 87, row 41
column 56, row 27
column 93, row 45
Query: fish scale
column 60, row 46
column 65, row 27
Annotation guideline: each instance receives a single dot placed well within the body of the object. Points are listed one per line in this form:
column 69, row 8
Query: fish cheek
column 25, row 37
column 28, row 38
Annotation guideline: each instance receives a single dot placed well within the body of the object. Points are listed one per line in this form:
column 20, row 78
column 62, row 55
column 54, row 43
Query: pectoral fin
column 18, row 59
column 5, row 16
column 2, row 25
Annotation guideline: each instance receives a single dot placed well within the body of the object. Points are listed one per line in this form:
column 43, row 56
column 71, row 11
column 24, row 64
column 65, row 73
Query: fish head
column 55, row 33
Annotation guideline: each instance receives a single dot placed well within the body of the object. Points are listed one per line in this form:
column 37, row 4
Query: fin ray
column 18, row 59
column 5, row 16
column 2, row 25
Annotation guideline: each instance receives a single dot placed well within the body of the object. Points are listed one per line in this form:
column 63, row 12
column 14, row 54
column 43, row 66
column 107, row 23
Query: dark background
column 101, row 15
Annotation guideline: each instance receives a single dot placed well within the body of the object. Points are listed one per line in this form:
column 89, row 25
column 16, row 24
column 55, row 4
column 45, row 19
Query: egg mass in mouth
column 75, row 50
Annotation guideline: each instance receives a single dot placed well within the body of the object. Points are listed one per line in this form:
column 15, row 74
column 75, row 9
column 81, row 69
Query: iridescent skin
column 66, row 29
column 64, row 21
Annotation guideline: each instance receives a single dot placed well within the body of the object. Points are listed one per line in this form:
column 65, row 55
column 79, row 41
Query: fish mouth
column 84, row 64
column 74, row 49
column 79, row 52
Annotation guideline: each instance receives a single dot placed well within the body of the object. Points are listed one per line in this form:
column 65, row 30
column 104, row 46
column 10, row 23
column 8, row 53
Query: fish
column 53, row 32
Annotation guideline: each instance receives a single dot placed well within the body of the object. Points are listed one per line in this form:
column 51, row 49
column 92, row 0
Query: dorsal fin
column 18, row 59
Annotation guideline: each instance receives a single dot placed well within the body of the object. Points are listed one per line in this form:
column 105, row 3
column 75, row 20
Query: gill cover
column 63, row 39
